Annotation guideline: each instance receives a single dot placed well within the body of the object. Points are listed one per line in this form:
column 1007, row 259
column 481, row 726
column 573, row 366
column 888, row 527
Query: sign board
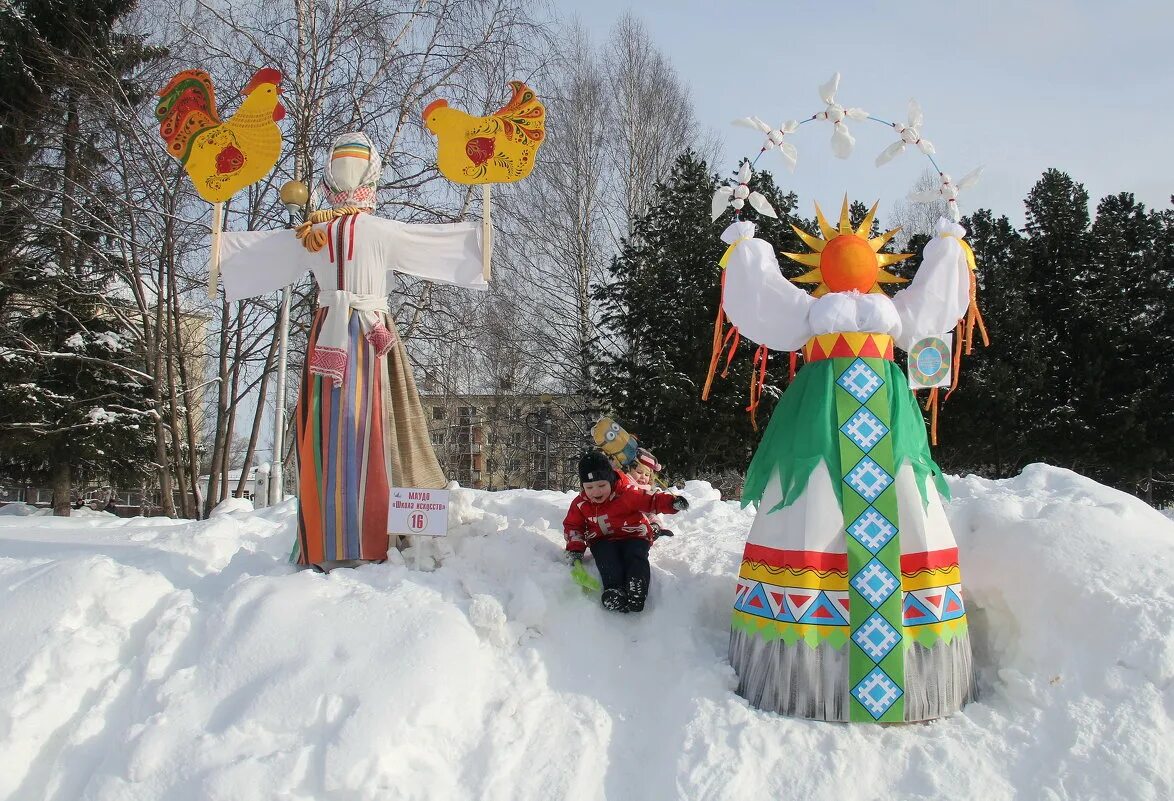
column 929, row 362
column 412, row 510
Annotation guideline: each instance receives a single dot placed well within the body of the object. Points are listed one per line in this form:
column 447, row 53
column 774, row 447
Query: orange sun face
column 846, row 260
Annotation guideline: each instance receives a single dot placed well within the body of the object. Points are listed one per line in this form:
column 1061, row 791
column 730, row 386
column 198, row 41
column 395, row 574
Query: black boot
column 615, row 600
column 637, row 592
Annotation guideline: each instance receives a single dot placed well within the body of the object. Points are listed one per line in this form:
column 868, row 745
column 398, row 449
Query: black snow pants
column 621, row 561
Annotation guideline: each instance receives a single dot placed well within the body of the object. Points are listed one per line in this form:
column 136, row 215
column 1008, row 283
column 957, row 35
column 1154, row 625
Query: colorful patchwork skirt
column 354, row 442
column 849, row 602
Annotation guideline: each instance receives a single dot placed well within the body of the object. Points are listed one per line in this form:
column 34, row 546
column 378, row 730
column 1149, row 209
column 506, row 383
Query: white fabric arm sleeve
column 449, row 253
column 940, row 292
column 765, row 306
column 256, row 262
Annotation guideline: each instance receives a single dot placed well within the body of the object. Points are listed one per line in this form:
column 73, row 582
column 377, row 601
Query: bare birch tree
column 623, row 117
column 649, row 118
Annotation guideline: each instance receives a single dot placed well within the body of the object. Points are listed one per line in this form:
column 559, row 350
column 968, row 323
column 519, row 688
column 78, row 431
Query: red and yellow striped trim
column 789, row 577
column 819, row 561
column 814, row 570
column 848, row 344
column 926, row 569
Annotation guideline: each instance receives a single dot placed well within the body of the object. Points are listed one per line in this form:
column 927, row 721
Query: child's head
column 596, row 475
column 644, row 469
column 640, row 473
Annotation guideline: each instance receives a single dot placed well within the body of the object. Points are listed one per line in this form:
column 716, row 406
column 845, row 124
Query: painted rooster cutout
column 498, row 148
column 221, row 156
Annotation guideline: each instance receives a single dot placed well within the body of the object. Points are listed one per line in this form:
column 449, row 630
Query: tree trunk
column 177, row 394
column 176, row 456
column 62, row 474
column 220, row 438
column 162, row 458
column 233, row 400
column 190, row 491
column 259, row 416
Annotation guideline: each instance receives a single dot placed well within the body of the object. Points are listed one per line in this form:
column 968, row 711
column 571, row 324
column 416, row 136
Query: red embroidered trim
column 329, row 362
column 381, row 338
column 362, row 196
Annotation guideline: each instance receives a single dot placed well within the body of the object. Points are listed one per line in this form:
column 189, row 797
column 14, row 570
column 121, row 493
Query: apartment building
column 507, row 440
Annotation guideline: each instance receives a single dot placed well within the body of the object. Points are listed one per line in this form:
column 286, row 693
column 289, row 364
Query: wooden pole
column 486, row 230
column 214, row 256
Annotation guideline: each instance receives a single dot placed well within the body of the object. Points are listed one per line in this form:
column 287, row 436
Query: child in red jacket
column 608, row 517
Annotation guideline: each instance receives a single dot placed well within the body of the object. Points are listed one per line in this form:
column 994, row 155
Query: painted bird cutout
column 221, row 156
column 498, row 148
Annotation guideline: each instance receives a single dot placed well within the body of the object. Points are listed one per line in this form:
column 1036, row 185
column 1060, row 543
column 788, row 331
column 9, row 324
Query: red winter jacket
column 620, row 517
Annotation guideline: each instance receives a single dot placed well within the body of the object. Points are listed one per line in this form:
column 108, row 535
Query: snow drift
column 161, row 659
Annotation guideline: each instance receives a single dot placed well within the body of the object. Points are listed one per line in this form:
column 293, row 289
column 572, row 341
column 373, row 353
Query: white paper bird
column 774, row 137
column 842, row 139
column 738, row 194
column 948, row 190
column 910, row 135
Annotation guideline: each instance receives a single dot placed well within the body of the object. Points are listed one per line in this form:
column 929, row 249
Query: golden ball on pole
column 294, row 195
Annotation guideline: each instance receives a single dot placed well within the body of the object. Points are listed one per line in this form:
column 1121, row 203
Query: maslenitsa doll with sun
column 849, row 603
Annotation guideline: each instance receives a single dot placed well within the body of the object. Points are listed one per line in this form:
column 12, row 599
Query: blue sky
column 1087, row 87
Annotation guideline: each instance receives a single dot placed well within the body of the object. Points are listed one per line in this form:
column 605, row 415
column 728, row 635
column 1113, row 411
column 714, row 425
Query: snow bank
column 160, row 659
column 27, row 509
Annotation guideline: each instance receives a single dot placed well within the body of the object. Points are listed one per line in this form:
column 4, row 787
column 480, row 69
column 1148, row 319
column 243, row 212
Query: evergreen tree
column 1055, row 272
column 71, row 399
column 1114, row 333
column 1156, row 296
column 1081, row 344
column 984, row 427
column 660, row 305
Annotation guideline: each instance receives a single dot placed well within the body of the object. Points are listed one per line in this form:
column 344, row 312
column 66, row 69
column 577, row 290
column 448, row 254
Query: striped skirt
column 354, row 442
column 849, row 603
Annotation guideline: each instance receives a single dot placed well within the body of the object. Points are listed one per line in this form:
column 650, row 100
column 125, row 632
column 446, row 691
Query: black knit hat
column 595, row 466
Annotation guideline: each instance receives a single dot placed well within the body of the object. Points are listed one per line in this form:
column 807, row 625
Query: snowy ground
column 159, row 659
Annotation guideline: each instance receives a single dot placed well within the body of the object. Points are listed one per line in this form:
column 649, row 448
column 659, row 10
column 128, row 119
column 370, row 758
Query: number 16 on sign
column 417, row 511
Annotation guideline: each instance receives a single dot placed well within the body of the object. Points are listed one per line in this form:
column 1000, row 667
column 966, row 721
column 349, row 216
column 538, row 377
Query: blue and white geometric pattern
column 877, row 692
column 860, row 380
column 875, row 583
column 872, row 530
column 869, row 479
column 864, row 429
column 876, row 637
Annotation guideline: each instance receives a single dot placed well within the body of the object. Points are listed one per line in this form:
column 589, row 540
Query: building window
column 517, row 438
column 437, row 412
column 437, row 437
column 465, row 411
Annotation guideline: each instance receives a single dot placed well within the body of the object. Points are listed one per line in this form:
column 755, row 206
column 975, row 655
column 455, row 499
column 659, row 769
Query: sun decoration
column 846, row 260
